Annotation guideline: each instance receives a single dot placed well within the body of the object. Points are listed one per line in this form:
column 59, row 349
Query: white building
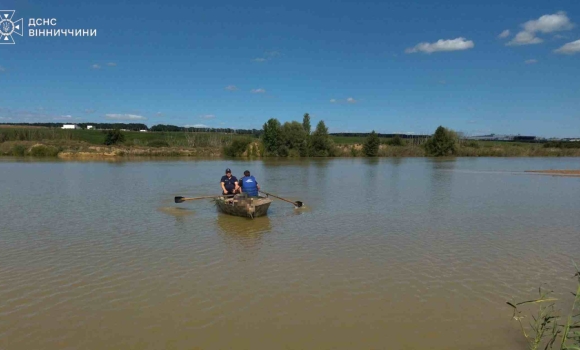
column 143, row 130
column 89, row 127
column 70, row 126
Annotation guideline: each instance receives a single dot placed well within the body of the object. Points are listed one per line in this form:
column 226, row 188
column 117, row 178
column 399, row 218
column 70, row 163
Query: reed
column 548, row 329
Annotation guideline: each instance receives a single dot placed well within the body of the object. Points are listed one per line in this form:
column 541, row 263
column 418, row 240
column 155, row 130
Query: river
column 386, row 254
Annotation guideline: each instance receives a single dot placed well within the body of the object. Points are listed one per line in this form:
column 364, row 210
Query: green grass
column 97, row 137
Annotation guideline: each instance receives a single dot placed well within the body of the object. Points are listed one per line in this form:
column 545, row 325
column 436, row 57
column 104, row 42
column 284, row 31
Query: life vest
column 249, row 185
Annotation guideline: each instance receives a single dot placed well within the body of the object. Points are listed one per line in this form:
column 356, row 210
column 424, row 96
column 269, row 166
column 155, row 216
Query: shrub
column 237, row 147
column 473, row 144
column 157, row 143
column 18, row 150
column 44, row 151
column 442, row 143
column 371, row 145
column 112, row 137
column 395, row 141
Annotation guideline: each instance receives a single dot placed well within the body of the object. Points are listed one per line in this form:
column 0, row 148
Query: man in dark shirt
column 229, row 183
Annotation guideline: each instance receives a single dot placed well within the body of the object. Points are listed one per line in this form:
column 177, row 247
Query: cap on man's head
column 228, row 170
column 247, row 172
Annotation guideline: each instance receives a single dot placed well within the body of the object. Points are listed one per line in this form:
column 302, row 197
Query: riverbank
column 50, row 142
column 80, row 149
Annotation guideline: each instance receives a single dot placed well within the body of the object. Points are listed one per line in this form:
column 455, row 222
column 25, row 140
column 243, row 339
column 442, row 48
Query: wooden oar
column 297, row 204
column 183, row 199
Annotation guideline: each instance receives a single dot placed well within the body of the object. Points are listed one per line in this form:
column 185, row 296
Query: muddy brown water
column 387, row 254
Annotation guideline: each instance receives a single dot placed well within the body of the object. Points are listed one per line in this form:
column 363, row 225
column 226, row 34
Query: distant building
column 143, row 130
column 89, row 127
column 70, row 126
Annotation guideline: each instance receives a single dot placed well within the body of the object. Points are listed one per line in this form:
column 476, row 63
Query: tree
column 113, row 137
column 371, row 145
column 293, row 135
column 271, row 137
column 321, row 144
column 306, row 123
column 442, row 143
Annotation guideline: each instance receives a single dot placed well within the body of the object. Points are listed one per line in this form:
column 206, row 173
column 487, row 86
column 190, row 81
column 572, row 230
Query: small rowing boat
column 251, row 207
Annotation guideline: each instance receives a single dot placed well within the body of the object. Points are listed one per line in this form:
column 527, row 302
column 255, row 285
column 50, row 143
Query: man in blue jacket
column 249, row 185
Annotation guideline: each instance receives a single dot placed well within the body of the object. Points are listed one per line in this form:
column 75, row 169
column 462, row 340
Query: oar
column 297, row 204
column 183, row 199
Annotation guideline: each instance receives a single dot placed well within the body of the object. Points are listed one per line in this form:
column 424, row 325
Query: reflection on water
column 247, row 233
column 387, row 253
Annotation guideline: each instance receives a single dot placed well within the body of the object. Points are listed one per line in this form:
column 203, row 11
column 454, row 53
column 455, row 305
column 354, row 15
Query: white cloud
column 545, row 24
column 197, row 126
column 231, row 88
column 531, row 61
column 111, row 64
column 96, row 66
column 259, row 59
column 351, row 100
column 524, row 38
column 258, row 91
column 114, row 116
column 504, row 34
column 159, row 113
column 332, row 100
column 207, row 116
column 89, row 111
column 569, row 48
column 549, row 23
column 273, row 53
column 456, row 44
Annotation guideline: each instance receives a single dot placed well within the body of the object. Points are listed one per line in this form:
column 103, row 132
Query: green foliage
column 306, row 123
column 18, row 150
column 44, row 151
column 562, row 144
column 271, row 136
column 442, row 143
column 353, row 151
column 112, row 137
column 321, row 144
column 293, row 135
column 237, row 147
column 548, row 330
column 158, row 143
column 395, row 141
column 371, row 145
column 473, row 144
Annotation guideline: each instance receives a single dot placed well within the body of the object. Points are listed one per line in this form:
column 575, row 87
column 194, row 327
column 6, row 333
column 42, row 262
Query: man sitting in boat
column 229, row 183
column 249, row 185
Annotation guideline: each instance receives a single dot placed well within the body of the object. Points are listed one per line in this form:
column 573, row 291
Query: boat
column 251, row 207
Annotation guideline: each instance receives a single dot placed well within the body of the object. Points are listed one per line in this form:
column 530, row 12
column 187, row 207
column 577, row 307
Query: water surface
column 388, row 253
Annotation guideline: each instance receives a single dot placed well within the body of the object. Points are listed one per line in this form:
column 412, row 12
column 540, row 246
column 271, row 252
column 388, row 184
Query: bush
column 112, row 137
column 158, row 143
column 395, row 141
column 371, row 145
column 442, row 143
column 237, row 147
column 473, row 144
column 18, row 150
column 44, row 151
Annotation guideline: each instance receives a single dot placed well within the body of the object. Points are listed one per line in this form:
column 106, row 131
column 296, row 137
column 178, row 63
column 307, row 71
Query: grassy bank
column 51, row 142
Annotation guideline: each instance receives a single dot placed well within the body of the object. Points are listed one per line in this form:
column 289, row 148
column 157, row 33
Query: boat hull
column 245, row 207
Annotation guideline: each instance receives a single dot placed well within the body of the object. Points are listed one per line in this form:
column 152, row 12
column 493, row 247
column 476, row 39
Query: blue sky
column 391, row 66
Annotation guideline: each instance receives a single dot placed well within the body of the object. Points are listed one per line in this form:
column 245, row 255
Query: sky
column 504, row 67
